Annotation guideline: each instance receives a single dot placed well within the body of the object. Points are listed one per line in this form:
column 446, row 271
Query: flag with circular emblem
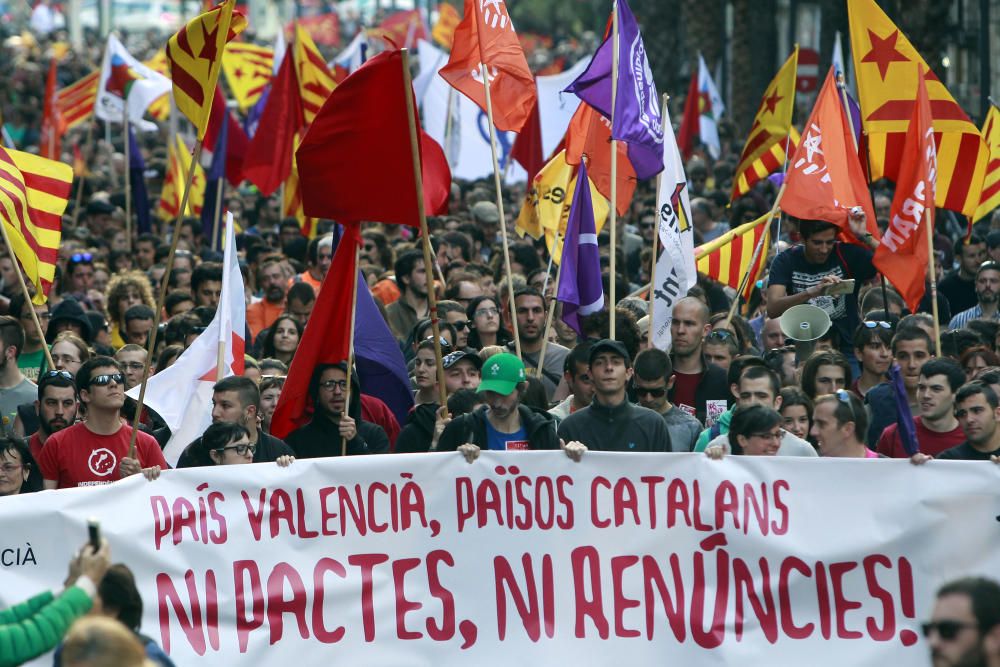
column 195, row 55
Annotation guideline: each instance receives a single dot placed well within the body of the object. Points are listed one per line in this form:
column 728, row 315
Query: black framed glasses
column 655, row 392
column 240, row 449
column 330, row 385
column 106, row 379
column 947, row 629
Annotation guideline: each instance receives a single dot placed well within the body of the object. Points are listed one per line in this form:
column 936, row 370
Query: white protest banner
column 638, row 559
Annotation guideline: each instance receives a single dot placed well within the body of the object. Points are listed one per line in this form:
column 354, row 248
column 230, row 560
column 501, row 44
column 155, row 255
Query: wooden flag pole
column 218, row 214
column 656, row 231
column 932, row 275
column 25, row 292
column 614, row 173
column 418, row 180
column 503, row 220
column 756, row 255
column 552, row 304
column 350, row 342
column 128, row 180
column 151, row 343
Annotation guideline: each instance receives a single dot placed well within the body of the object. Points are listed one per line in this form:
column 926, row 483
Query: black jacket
column 321, row 437
column 623, row 428
column 416, row 436
column 268, row 450
column 471, row 427
column 714, row 386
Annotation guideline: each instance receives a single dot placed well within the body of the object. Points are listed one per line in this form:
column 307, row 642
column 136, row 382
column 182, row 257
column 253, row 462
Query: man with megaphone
column 824, row 272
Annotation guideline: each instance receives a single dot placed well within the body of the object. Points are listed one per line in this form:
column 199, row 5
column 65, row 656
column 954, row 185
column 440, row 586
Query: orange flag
column 487, row 36
column 825, row 178
column 589, row 134
column 902, row 256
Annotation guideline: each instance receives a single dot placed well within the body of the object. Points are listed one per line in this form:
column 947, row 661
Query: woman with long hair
column 282, row 339
column 485, row 324
column 125, row 290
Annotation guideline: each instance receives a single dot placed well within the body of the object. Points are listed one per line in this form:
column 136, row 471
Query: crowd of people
column 727, row 386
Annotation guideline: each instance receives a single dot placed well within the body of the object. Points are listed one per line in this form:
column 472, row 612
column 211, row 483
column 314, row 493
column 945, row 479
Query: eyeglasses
column 871, row 325
column 11, row 468
column 82, row 257
column 106, row 379
column 133, row 365
column 775, row 437
column 58, row 374
column 483, row 312
column 241, row 449
column 330, row 385
column 655, row 392
column 948, row 630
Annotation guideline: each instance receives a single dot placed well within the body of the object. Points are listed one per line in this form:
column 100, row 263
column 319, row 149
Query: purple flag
column 636, row 118
column 580, row 289
column 216, row 172
column 905, row 428
column 137, row 175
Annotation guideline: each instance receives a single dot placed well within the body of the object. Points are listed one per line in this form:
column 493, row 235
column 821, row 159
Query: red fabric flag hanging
column 825, row 179
column 589, row 134
column 486, row 35
column 527, row 148
column 903, row 253
column 327, row 338
column 268, row 159
column 50, row 145
column 690, row 120
column 364, row 124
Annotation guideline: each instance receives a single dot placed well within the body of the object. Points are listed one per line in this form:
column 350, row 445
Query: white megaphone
column 804, row 324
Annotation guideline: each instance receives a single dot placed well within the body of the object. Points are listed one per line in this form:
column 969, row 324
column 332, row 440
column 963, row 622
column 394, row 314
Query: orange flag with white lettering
column 486, row 35
column 824, row 179
column 902, row 256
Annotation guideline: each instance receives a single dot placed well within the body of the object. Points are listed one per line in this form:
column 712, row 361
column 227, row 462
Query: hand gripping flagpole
column 418, row 180
column 614, row 173
column 503, row 221
column 350, row 337
column 162, row 294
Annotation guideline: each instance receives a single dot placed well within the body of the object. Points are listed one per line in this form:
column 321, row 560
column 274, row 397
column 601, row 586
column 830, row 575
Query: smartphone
column 94, row 530
column 843, row 287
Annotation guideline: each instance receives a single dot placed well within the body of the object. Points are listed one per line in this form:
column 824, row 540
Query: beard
column 51, row 426
column 275, row 294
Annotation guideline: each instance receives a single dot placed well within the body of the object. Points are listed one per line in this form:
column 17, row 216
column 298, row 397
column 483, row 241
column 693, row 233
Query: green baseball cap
column 501, row 373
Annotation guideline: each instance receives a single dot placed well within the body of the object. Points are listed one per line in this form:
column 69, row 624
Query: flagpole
column 418, row 180
column 25, row 292
column 656, row 231
column 503, row 221
column 128, row 179
column 218, row 214
column 756, row 255
column 552, row 305
column 929, row 224
column 350, row 338
column 614, row 172
column 151, row 343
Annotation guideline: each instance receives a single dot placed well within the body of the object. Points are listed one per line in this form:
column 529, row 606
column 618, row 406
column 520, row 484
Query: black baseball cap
column 608, row 345
column 455, row 357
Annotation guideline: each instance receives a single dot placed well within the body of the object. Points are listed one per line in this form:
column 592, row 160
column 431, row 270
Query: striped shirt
column 966, row 316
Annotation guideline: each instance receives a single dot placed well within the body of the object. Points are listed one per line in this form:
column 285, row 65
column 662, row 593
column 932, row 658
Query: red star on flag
column 884, row 52
column 771, row 102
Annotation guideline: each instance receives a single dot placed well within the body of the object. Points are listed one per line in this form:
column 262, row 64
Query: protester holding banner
column 699, row 387
column 936, row 427
column 839, row 425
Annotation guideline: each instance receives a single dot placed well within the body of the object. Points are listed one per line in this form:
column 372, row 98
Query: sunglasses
column 106, row 379
column 58, row 374
column 461, row 325
column 655, row 392
column 947, row 630
column 82, row 257
column 720, row 334
column 871, row 325
column 241, row 449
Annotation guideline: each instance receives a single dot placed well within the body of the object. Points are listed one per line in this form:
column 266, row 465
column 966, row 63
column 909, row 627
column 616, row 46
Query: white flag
column 675, row 268
column 182, row 394
column 708, row 125
column 125, row 78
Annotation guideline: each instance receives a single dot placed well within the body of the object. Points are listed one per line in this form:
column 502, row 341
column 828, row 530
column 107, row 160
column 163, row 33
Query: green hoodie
column 706, row 435
column 29, row 629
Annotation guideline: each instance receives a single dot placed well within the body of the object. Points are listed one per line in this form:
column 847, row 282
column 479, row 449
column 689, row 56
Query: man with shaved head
column 699, row 387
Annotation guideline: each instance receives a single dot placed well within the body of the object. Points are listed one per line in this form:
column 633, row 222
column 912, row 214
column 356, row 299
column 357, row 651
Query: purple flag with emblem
column 636, row 114
column 580, row 289
column 906, row 428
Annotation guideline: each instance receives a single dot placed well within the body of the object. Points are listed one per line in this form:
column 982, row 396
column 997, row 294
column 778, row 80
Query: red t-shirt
column 76, row 456
column 930, row 442
column 685, row 386
column 35, row 444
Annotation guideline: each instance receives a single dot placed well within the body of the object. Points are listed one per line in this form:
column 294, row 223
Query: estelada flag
column 902, row 255
column 443, row 31
column 364, row 122
column 990, row 199
column 34, row 192
column 589, row 134
column 727, row 258
column 773, row 120
column 195, row 54
column 886, row 64
column 487, row 36
column 824, row 178
column 248, row 69
column 315, row 79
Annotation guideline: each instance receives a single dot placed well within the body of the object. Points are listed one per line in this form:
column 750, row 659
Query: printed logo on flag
column 668, row 212
column 645, row 90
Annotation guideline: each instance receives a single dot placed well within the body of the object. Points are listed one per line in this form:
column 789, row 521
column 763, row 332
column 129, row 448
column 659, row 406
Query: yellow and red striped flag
column 443, row 31
column 292, row 206
column 886, row 65
column 315, row 80
column 727, row 258
column 248, row 70
column 174, row 181
column 160, row 109
column 76, row 101
column 770, row 162
column 990, row 199
column 772, row 123
column 195, row 55
column 34, row 192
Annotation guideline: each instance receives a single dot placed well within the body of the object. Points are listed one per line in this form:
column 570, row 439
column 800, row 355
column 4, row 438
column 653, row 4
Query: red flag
column 487, row 36
column 237, row 145
column 50, row 144
column 527, row 148
column 268, row 160
column 589, row 134
column 903, row 253
column 363, row 123
column 327, row 338
column 825, row 179
column 691, row 119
